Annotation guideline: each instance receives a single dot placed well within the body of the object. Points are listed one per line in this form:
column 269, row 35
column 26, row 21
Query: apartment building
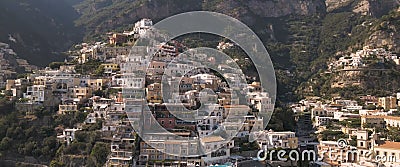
column 270, row 139
column 35, row 93
column 387, row 102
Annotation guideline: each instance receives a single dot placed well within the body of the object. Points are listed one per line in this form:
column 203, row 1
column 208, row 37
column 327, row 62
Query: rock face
column 100, row 16
column 275, row 8
column 332, row 5
column 363, row 7
column 374, row 8
column 248, row 11
column 384, row 39
column 385, row 33
column 126, row 12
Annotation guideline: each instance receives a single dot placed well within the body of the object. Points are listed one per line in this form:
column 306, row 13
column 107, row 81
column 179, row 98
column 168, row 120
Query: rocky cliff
column 374, row 8
column 386, row 32
column 105, row 15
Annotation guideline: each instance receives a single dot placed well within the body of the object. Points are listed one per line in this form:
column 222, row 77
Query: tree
column 99, row 71
column 353, row 141
column 56, row 163
column 56, row 65
column 5, row 143
column 393, row 134
column 100, row 152
column 99, row 93
column 371, row 107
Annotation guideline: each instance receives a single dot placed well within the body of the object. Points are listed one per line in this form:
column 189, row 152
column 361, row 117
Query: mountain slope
column 106, row 15
column 41, row 28
column 301, row 35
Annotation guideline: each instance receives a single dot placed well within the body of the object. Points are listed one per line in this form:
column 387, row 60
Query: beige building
column 217, row 150
column 388, row 153
column 156, row 68
column 110, row 67
column 64, row 108
column 320, row 112
column 112, row 52
column 80, row 92
column 271, row 139
column 387, row 102
column 154, row 93
column 152, row 156
column 372, row 150
column 335, row 155
column 236, row 110
column 95, row 84
column 380, row 121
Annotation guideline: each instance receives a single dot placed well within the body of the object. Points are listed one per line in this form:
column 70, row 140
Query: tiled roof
column 210, row 139
column 390, row 145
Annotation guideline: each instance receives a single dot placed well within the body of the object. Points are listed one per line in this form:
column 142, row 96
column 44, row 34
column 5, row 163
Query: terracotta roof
column 383, row 117
column 390, row 145
column 236, row 106
column 318, row 109
column 392, row 117
column 210, row 139
column 338, row 105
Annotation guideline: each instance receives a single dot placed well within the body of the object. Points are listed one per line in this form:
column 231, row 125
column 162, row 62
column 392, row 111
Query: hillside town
column 125, row 80
column 121, row 92
column 369, row 127
column 358, row 59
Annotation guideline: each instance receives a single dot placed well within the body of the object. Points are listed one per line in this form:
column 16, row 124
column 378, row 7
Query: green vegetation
column 91, row 67
column 42, row 28
column 99, row 153
column 282, row 120
column 35, row 136
column 331, row 135
column 87, row 144
column 98, row 17
column 56, row 65
column 393, row 134
column 351, row 123
column 300, row 47
column 347, row 32
column 22, row 136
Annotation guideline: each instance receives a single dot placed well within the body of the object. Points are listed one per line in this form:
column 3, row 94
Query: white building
column 270, row 139
column 207, row 124
column 217, row 150
column 321, row 121
column 261, row 101
column 35, row 93
column 204, row 78
column 68, row 136
column 142, row 26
